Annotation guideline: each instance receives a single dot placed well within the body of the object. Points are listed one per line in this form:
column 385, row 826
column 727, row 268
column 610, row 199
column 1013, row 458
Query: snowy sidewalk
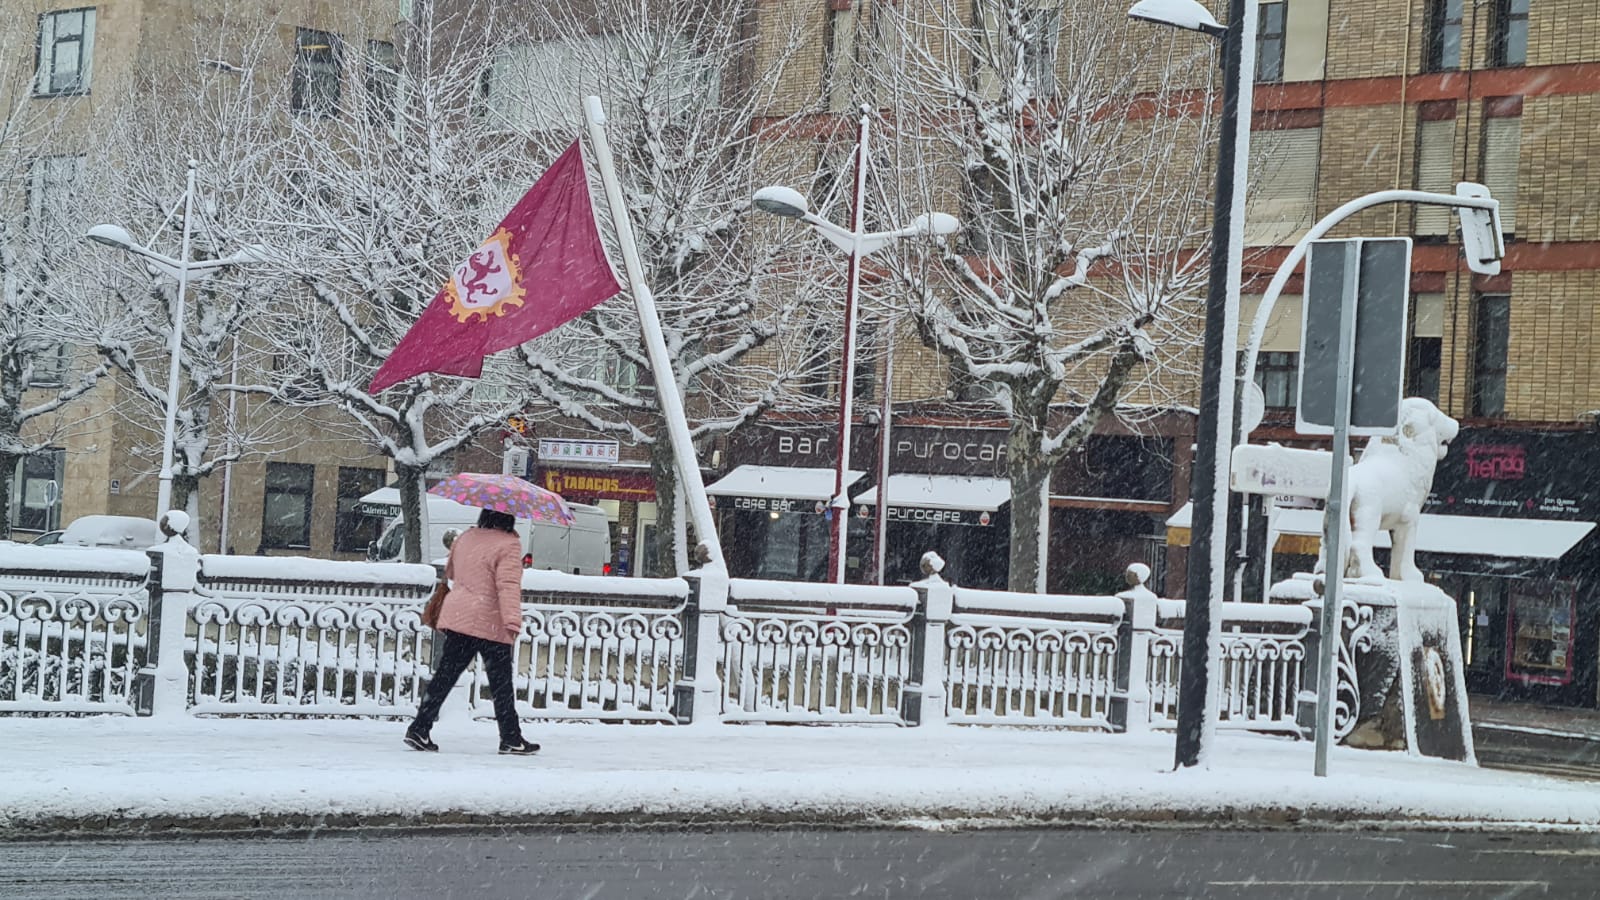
column 137, row 774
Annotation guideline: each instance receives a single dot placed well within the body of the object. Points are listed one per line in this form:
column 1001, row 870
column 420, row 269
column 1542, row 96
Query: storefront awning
column 1467, row 535
column 1299, row 531
column 969, row 492
column 788, row 485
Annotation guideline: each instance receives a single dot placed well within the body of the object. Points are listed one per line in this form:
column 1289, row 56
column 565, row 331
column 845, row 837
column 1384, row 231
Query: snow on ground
column 120, row 769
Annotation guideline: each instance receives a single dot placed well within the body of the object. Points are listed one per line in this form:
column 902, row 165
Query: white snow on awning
column 1466, row 535
column 943, row 492
column 780, row 482
column 1182, row 518
column 389, row 496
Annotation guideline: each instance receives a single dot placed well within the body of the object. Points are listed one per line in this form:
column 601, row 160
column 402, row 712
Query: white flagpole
column 666, row 385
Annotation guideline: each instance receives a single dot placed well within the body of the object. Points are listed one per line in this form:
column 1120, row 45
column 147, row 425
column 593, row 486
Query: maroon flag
column 543, row 266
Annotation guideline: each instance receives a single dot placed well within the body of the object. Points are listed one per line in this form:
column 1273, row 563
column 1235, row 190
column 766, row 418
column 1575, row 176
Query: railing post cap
column 174, row 522
column 932, row 563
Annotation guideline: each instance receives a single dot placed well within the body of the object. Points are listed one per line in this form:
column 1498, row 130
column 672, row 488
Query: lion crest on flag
column 487, row 282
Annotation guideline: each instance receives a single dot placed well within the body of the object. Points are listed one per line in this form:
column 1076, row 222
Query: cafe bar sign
column 578, row 451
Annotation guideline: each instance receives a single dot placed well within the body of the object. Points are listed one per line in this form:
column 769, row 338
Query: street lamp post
column 791, row 204
column 1206, row 584
column 183, row 269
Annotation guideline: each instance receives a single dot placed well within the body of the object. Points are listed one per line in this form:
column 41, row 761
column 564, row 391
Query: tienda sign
column 1497, row 462
column 602, row 485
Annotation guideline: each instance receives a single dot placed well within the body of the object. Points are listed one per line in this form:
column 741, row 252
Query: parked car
column 120, row 532
column 48, row 538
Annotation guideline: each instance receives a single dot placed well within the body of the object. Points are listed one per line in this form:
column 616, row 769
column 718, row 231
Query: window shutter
column 1283, row 326
column 841, row 59
column 1435, row 172
column 1428, row 321
column 1502, row 150
column 47, row 39
column 1283, row 194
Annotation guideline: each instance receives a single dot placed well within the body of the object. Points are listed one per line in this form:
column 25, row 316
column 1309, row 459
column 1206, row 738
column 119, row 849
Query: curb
column 285, row 825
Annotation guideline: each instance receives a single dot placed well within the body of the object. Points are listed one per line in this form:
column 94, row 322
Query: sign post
column 1351, row 376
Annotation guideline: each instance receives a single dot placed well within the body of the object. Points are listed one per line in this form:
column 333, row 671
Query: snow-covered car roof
column 126, row 532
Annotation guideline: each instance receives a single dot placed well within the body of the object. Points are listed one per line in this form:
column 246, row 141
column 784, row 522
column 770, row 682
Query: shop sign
column 600, row 484
column 1528, row 474
column 768, row 504
column 928, row 516
column 574, row 450
column 922, row 449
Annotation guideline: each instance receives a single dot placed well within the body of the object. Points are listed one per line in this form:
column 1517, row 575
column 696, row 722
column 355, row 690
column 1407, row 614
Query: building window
column 65, row 55
column 1443, row 43
column 1509, row 44
column 1425, row 354
column 1491, row 342
column 47, row 368
column 1278, row 376
column 838, row 64
column 1502, row 152
column 382, row 82
column 353, row 529
column 1435, row 172
column 1269, row 43
column 52, row 203
column 1043, row 30
column 315, row 88
column 36, row 491
column 286, row 508
column 1282, row 199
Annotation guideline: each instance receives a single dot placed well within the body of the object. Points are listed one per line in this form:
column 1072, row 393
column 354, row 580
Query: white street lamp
column 791, row 204
column 184, row 270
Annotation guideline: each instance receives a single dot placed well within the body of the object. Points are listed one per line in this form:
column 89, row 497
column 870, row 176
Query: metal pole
column 227, row 467
column 881, row 540
column 660, row 365
column 175, row 351
column 1205, row 581
column 839, row 507
column 1333, row 518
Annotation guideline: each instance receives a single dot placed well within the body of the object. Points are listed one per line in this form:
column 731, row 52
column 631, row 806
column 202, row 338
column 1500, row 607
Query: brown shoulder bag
column 430, row 613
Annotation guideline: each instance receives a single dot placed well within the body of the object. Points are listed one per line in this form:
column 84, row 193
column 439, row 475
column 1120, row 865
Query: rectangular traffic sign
column 1383, row 276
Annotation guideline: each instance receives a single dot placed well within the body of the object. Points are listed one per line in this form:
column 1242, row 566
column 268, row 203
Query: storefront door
column 1481, row 608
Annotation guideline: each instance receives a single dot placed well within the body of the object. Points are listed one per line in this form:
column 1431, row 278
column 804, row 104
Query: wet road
column 798, row 863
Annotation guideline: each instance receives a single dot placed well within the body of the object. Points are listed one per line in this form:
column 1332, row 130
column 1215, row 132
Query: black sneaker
column 419, row 741
column 523, row 747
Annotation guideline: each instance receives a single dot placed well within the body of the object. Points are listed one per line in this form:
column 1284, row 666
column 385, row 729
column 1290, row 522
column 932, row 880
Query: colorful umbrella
column 505, row 493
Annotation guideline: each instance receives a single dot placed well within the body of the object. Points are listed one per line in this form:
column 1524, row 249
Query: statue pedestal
column 1401, row 677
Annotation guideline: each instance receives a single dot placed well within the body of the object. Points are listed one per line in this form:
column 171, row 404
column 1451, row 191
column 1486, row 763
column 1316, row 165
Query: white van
column 583, row 548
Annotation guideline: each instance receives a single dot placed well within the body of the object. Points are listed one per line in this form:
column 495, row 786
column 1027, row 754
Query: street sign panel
column 1383, row 274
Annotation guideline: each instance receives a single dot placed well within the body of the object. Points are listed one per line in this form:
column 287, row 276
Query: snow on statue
column 1387, row 488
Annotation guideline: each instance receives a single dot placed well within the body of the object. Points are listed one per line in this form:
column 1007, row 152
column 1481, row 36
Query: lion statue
column 1387, row 488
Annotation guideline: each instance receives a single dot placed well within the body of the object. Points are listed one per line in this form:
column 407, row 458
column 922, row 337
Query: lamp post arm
column 1258, row 327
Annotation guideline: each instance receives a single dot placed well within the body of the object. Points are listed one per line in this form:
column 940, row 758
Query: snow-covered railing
column 72, row 628
column 1031, row 659
column 288, row 635
column 815, row 652
column 1263, row 662
column 594, row 647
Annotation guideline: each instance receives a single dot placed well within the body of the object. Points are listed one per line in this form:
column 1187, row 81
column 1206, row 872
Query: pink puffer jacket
column 485, row 574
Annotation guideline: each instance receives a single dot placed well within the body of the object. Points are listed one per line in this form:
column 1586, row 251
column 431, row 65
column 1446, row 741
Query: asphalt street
column 1021, row 863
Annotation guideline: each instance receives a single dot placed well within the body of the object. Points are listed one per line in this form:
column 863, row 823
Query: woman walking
column 482, row 617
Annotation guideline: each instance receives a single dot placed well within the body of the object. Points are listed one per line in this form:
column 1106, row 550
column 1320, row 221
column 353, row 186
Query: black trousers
column 459, row 649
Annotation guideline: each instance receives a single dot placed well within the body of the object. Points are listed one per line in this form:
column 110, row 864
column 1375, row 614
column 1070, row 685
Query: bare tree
column 225, row 125
column 380, row 185
column 1083, row 198
column 39, row 217
column 681, row 92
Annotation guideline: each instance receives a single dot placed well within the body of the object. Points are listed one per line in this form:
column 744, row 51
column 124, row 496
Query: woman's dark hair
column 498, row 521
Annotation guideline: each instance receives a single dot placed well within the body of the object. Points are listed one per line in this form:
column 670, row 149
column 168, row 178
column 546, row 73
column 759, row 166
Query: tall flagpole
column 660, row 365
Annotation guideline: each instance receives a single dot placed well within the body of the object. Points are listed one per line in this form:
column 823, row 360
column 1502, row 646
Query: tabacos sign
column 601, row 484
column 929, row 516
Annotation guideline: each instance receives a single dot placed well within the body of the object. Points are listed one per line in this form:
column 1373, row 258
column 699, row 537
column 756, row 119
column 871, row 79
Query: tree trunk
column 1030, row 475
column 186, row 496
column 664, row 469
column 8, row 474
column 411, row 512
